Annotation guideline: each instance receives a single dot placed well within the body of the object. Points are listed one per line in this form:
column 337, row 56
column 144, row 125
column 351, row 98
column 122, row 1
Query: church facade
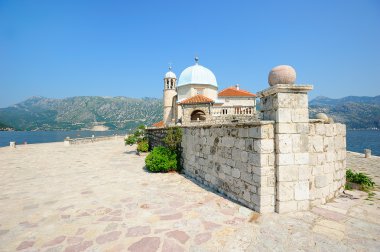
column 193, row 99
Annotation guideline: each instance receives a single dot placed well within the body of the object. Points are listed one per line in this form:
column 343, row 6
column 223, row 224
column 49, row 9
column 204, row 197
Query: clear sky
column 68, row 48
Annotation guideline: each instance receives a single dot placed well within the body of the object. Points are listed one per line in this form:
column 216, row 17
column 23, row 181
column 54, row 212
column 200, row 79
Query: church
column 194, row 99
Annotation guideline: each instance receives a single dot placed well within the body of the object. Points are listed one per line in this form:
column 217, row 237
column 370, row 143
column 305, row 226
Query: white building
column 194, row 98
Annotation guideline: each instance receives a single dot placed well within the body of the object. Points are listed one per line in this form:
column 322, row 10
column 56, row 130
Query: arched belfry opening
column 198, row 115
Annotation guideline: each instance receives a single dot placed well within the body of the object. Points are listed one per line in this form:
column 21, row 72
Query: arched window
column 198, row 115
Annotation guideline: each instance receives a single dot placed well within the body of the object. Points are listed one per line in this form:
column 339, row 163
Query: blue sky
column 68, row 48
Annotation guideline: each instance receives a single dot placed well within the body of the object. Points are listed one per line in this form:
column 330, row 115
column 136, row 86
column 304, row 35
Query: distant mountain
column 90, row 112
column 82, row 112
column 322, row 100
column 357, row 112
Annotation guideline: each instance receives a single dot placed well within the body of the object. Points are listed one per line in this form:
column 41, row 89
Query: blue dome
column 197, row 74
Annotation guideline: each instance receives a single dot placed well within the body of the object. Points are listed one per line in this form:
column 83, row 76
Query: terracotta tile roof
column 197, row 99
column 232, row 91
column 159, row 124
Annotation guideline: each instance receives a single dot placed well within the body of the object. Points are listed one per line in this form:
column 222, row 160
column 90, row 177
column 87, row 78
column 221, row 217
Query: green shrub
column 143, row 145
column 173, row 138
column 131, row 139
column 161, row 159
column 360, row 179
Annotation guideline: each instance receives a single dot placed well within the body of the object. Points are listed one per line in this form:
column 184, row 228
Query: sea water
column 357, row 140
column 32, row 137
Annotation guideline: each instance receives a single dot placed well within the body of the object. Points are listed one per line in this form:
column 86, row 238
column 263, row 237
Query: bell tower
column 170, row 83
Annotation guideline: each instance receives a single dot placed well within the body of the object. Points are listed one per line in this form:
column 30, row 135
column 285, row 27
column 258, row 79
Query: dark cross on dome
column 196, row 59
column 170, row 66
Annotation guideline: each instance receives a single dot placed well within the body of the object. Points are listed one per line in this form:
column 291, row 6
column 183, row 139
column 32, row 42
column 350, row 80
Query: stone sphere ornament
column 283, row 74
column 322, row 116
column 330, row 120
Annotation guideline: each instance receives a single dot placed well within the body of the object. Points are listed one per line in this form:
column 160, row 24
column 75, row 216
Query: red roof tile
column 159, row 124
column 197, row 99
column 233, row 92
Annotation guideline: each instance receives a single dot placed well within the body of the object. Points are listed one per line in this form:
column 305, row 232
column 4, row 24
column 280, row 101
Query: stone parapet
column 327, row 161
column 236, row 160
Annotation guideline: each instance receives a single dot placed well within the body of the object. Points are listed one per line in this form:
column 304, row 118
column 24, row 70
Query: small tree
column 173, row 139
column 131, row 139
column 140, row 133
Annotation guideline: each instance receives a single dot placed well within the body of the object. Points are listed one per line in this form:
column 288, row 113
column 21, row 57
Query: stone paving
column 98, row 197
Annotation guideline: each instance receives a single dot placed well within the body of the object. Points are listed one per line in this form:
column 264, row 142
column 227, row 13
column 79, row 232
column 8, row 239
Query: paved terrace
column 98, row 197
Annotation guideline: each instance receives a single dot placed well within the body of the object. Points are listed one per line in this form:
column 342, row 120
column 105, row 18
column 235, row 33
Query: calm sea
column 32, row 137
column 357, row 140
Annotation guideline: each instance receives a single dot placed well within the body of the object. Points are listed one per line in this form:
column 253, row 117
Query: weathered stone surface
column 146, row 244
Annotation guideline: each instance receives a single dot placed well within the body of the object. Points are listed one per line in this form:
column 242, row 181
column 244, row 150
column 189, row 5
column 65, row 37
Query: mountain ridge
column 357, row 112
column 120, row 112
column 81, row 112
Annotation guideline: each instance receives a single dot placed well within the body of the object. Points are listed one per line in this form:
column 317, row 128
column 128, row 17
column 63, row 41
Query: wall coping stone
column 238, row 125
column 285, row 88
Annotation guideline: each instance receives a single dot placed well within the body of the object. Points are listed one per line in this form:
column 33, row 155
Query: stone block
column 226, row 169
column 286, row 128
column 304, row 172
column 285, row 159
column 231, row 162
column 300, row 115
column 284, row 143
column 316, row 143
column 321, row 181
column 301, row 158
column 287, row 173
column 235, row 173
column 329, row 131
column 240, row 144
column 283, row 115
column 301, row 190
column 247, row 177
column 243, row 132
column 244, row 156
column 267, row 200
column 319, row 129
column 254, row 132
column 264, row 146
column 236, row 153
column 285, row 100
column 228, row 141
column 285, row 191
column 286, row 206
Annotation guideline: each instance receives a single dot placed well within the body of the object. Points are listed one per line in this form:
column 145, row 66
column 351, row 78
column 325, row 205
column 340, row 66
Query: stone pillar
column 287, row 105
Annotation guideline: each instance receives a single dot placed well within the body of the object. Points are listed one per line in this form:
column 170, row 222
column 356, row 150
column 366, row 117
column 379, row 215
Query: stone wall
column 287, row 163
column 156, row 136
column 237, row 160
column 327, row 160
